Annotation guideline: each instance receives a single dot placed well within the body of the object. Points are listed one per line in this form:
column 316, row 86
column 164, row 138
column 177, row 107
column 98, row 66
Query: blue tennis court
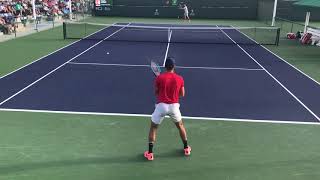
column 234, row 79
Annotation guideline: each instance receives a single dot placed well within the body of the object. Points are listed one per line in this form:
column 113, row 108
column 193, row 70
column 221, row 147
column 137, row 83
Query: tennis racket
column 155, row 68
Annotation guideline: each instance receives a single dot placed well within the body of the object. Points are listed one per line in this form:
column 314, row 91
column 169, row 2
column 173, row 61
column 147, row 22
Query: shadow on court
column 133, row 160
column 176, row 153
column 138, row 159
column 72, row 162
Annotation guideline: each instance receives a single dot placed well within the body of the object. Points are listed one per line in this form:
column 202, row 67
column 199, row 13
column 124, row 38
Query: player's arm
column 156, row 87
column 182, row 92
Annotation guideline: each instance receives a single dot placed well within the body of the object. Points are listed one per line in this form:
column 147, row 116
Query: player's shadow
column 171, row 154
column 137, row 159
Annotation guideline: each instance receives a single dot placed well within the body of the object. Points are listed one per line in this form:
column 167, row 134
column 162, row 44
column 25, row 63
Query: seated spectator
column 13, row 11
column 2, row 23
column 2, row 7
column 4, row 26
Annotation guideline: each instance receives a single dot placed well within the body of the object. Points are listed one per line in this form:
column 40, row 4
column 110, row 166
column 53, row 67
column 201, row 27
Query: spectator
column 18, row 10
column 2, row 7
column 2, row 23
column 5, row 28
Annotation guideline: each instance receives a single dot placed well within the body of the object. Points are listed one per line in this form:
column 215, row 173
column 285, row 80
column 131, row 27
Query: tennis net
column 162, row 33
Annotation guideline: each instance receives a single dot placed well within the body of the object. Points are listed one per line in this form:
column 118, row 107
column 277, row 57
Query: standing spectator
column 18, row 8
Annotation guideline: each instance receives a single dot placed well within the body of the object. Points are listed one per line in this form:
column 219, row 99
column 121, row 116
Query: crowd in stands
column 12, row 11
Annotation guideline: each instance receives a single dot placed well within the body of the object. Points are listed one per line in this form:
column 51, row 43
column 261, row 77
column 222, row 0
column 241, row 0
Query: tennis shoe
column 148, row 156
column 187, row 151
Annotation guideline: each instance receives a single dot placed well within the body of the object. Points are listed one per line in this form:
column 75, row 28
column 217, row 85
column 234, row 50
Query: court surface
column 231, row 81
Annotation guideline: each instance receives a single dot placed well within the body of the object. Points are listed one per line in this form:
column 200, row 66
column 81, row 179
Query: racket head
column 155, row 68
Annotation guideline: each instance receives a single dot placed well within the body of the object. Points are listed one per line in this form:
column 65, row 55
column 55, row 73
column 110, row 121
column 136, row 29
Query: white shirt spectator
column 2, row 8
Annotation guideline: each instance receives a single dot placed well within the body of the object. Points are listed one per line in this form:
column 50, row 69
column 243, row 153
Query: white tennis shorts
column 163, row 109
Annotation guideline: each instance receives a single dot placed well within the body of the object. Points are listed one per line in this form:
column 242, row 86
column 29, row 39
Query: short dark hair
column 170, row 63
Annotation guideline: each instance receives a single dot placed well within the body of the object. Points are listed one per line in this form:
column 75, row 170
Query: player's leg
column 175, row 115
column 183, row 135
column 188, row 18
column 152, row 135
column 182, row 132
column 156, row 119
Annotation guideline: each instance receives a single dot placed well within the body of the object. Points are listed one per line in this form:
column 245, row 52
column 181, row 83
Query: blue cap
column 170, row 62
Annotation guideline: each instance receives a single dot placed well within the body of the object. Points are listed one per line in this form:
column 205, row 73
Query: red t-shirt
column 169, row 86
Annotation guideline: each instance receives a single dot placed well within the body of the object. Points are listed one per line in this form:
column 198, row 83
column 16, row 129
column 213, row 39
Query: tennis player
column 186, row 12
column 169, row 87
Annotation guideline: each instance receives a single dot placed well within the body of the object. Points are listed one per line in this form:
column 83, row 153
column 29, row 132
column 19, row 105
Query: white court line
column 280, row 58
column 168, row 46
column 284, row 87
column 23, row 147
column 219, row 68
column 165, row 29
column 147, row 29
column 148, row 115
column 199, row 31
column 51, row 53
column 61, row 66
column 101, row 64
column 178, row 67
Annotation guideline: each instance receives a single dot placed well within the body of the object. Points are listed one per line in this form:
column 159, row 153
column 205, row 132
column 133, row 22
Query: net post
column 278, row 36
column 64, row 30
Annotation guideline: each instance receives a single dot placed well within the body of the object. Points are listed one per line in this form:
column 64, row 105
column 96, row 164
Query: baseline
column 149, row 115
